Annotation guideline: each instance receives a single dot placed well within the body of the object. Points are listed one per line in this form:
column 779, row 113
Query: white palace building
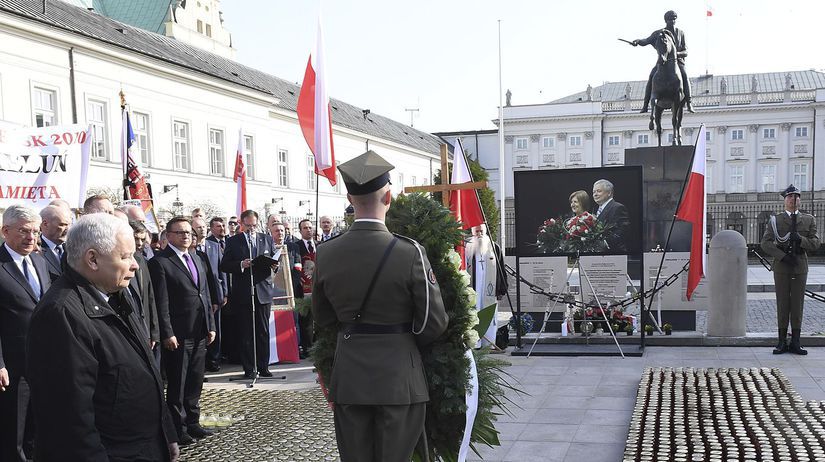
column 65, row 62
column 764, row 131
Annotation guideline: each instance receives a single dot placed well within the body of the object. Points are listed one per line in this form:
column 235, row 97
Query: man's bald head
column 134, row 213
column 98, row 204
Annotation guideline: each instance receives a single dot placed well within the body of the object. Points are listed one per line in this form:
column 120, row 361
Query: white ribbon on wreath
column 472, row 407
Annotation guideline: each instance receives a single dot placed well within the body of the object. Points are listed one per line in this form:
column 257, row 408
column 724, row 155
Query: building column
column 818, row 150
column 783, row 146
column 724, row 180
column 752, row 156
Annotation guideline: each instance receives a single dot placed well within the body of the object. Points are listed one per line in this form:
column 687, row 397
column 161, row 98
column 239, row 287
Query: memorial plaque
column 673, row 296
column 540, row 271
column 607, row 275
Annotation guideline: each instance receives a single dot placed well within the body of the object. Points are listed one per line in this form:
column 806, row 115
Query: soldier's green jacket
column 377, row 369
column 806, row 227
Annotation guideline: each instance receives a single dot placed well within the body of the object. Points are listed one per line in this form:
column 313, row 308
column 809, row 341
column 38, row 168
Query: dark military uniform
column 378, row 383
column 790, row 268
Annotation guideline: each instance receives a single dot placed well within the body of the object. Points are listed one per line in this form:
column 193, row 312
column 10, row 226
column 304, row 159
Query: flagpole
column 673, row 220
column 317, row 219
column 502, row 190
column 124, row 144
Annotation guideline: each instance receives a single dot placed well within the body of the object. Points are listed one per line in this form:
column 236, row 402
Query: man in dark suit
column 224, row 345
column 378, row 383
column 23, row 281
column 96, row 392
column 613, row 214
column 278, row 232
column 325, row 224
column 185, row 307
column 213, row 253
column 306, row 249
column 237, row 261
column 140, row 288
column 54, row 227
column 788, row 237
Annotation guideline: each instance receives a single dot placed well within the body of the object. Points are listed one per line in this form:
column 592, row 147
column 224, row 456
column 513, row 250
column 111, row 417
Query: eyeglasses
column 233, row 223
column 26, row 232
column 181, row 233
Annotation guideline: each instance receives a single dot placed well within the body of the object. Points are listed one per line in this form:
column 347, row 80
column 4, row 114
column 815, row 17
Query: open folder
column 262, row 265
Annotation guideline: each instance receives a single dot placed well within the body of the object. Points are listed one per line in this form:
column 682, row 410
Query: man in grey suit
column 24, row 278
column 54, row 227
column 383, row 316
column 212, row 251
column 788, row 237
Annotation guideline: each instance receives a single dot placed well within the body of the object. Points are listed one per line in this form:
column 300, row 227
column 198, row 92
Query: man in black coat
column 222, row 346
column 306, row 249
column 212, row 253
column 24, row 278
column 185, row 307
column 140, row 287
column 613, row 214
column 54, row 227
column 237, row 260
column 96, row 392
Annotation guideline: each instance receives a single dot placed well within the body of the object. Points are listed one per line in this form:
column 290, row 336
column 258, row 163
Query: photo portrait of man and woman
column 594, row 220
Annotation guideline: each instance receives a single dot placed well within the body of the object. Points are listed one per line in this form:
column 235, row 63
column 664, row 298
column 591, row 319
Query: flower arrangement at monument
column 595, row 315
column 581, row 233
column 447, row 368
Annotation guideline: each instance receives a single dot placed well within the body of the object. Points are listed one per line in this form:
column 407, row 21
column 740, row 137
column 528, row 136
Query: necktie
column 192, row 270
column 200, row 248
column 222, row 244
column 251, row 240
column 59, row 250
column 310, row 247
column 31, row 278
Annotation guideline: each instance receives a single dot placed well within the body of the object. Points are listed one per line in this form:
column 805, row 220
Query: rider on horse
column 681, row 49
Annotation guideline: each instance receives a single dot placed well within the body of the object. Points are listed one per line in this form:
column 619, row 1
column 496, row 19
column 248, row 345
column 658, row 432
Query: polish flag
column 464, row 203
column 240, row 176
column 315, row 113
column 694, row 209
column 709, row 11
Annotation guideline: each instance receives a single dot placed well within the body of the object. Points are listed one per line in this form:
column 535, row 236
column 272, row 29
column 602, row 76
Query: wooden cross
column 445, row 185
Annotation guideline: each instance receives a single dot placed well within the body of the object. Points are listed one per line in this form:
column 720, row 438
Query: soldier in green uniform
column 787, row 237
column 381, row 292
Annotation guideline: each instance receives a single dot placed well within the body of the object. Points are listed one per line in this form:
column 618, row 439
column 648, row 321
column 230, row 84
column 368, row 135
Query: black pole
column 672, row 221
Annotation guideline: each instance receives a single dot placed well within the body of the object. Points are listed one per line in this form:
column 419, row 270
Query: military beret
column 791, row 190
column 366, row 173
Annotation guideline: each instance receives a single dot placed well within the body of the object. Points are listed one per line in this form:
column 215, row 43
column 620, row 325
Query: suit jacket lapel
column 177, row 262
column 49, row 255
column 11, row 267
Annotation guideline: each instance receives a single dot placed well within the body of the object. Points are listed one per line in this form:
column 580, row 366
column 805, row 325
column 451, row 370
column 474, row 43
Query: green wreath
column 447, row 367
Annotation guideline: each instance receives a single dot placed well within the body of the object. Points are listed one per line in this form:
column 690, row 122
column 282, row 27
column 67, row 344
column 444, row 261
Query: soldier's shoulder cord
column 426, row 278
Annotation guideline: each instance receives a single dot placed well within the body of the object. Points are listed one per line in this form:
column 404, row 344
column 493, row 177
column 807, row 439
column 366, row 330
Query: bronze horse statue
column 668, row 89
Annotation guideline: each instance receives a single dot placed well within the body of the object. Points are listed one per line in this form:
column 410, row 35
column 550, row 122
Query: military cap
column 366, row 173
column 791, row 189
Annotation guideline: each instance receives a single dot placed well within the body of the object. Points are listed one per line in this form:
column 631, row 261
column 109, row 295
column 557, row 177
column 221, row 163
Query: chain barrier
column 570, row 299
column 769, row 267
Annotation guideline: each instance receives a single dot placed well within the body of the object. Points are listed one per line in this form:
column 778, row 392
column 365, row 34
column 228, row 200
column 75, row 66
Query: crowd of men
column 119, row 311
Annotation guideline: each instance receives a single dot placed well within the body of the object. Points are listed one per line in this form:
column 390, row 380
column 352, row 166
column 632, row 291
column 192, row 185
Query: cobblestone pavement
column 762, row 317
column 266, row 425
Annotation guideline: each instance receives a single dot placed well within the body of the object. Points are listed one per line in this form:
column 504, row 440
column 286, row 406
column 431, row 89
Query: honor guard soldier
column 788, row 236
column 381, row 292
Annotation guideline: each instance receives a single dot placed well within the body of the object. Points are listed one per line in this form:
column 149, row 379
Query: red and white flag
column 240, row 176
column 709, row 11
column 464, row 203
column 315, row 114
column 138, row 186
column 694, row 209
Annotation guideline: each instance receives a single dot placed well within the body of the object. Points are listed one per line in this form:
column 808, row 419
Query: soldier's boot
column 795, row 346
column 689, row 107
column 782, row 345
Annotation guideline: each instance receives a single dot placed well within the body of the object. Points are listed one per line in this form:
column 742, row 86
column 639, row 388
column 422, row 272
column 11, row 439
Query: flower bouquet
column 581, row 233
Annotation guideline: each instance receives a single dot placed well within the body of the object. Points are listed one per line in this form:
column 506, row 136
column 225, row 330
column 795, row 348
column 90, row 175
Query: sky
column 442, row 57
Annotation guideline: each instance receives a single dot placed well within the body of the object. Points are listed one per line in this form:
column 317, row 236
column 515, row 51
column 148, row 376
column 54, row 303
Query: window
column 709, row 179
column 575, row 141
column 801, row 132
column 737, row 135
column 548, row 142
column 737, row 178
column 412, row 181
column 708, row 136
column 642, row 139
column 180, row 140
column 140, row 125
column 769, row 133
column 216, row 160
column 312, row 178
column 521, row 144
column 209, row 30
column 249, row 154
column 283, row 168
column 800, row 176
column 44, row 107
column 768, row 178
column 200, row 26
column 401, row 182
column 670, row 138
column 613, row 140
column 96, row 117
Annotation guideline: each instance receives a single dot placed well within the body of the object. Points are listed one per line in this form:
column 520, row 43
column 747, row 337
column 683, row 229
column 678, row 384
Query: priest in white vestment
column 485, row 265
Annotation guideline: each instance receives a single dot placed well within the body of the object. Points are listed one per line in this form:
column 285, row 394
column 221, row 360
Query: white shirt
column 309, row 245
column 180, row 255
column 374, row 220
column 791, row 213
